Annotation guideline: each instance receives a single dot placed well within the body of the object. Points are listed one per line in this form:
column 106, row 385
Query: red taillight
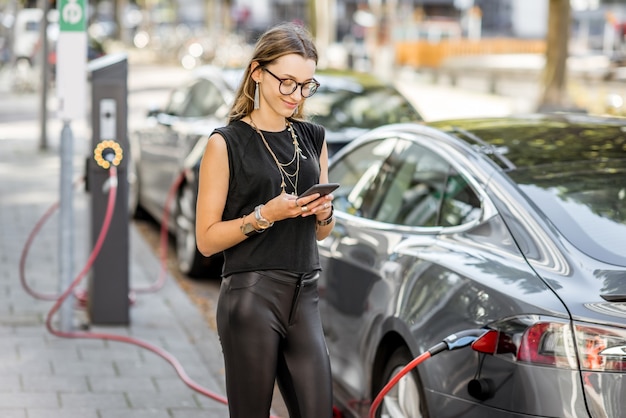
column 548, row 343
column 601, row 348
column 554, row 342
column 337, row 413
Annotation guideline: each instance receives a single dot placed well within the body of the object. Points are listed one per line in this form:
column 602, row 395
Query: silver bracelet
column 328, row 220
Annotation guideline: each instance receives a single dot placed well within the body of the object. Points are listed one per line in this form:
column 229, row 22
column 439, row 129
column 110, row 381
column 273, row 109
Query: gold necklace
column 297, row 153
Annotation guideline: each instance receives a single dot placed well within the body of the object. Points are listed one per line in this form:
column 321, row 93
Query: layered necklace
column 292, row 178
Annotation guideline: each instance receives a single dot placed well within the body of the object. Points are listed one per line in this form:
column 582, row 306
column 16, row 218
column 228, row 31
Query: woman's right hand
column 286, row 206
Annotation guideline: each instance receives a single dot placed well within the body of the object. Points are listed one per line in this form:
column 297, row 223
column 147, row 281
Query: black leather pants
column 270, row 329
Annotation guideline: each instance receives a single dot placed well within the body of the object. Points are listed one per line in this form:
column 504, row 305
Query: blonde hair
column 280, row 40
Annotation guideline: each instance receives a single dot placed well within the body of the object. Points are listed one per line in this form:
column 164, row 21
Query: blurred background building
column 360, row 34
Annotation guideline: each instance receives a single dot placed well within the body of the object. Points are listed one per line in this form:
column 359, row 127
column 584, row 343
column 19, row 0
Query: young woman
column 249, row 208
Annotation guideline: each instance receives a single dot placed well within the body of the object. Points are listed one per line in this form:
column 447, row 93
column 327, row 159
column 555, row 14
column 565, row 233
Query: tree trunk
column 555, row 95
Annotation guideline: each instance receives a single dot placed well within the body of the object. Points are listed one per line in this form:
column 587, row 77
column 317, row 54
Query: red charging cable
column 94, row 253
column 171, row 194
column 81, row 295
column 381, row 395
column 454, row 341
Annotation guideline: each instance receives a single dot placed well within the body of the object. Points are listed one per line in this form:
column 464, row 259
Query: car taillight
column 548, row 343
column 553, row 342
column 601, row 348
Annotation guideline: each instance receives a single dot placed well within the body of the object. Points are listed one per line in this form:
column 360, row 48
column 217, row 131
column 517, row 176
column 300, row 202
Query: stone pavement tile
column 28, row 400
column 104, row 367
column 214, row 412
column 93, row 400
column 210, row 403
column 112, row 353
column 10, row 383
column 153, row 366
column 13, row 413
column 163, row 400
column 29, row 365
column 65, row 413
column 118, row 383
column 30, row 334
column 176, row 387
column 171, row 384
column 50, row 354
column 74, row 343
column 67, row 384
column 139, row 413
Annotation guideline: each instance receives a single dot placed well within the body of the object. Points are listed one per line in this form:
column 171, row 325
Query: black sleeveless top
column 290, row 244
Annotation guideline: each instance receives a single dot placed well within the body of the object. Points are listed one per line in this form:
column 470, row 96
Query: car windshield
column 368, row 109
column 586, row 202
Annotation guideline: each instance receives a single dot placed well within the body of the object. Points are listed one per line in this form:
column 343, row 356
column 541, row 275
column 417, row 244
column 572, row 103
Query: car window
column 403, row 183
column 199, row 99
column 352, row 172
column 204, row 100
column 415, row 192
column 460, row 203
column 367, row 110
column 585, row 201
column 177, row 101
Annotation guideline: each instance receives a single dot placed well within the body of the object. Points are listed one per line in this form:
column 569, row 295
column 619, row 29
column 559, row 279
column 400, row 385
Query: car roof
column 542, row 139
column 231, row 76
column 335, row 82
column 329, row 80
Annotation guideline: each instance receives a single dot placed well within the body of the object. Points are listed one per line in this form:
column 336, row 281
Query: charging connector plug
column 457, row 340
column 463, row 338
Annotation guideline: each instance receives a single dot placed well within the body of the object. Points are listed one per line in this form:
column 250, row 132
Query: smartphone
column 322, row 189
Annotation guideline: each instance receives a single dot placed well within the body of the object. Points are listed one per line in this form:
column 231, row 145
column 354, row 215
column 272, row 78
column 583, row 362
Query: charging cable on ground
column 25, row 250
column 111, row 186
column 452, row 342
column 81, row 295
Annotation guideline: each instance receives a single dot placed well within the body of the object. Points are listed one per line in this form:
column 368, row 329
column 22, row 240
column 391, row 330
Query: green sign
column 72, row 14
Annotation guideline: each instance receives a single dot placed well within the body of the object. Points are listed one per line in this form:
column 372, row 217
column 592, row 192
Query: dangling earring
column 256, row 96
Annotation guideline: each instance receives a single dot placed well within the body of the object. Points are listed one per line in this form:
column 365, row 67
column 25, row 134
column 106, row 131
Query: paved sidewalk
column 44, row 376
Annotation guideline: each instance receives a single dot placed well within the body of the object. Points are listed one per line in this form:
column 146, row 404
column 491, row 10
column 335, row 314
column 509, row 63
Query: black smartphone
column 322, row 189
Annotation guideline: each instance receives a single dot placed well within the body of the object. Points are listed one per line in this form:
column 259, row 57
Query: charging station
column 108, row 295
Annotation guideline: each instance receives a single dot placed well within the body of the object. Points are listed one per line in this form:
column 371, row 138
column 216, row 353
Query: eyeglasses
column 288, row 85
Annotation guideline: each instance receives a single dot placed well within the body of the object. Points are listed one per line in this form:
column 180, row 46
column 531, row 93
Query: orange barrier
column 432, row 55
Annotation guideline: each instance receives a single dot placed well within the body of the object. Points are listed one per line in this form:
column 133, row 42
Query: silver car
column 170, row 141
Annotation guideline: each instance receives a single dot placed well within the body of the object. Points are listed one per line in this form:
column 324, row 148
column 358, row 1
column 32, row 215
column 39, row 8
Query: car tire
column 406, row 398
column 190, row 261
column 135, row 211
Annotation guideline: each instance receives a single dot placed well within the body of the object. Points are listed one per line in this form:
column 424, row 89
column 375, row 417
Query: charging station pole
column 109, row 282
column 71, row 91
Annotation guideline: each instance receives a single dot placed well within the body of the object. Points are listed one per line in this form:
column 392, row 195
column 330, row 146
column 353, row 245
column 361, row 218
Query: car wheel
column 190, row 261
column 406, row 398
column 135, row 210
